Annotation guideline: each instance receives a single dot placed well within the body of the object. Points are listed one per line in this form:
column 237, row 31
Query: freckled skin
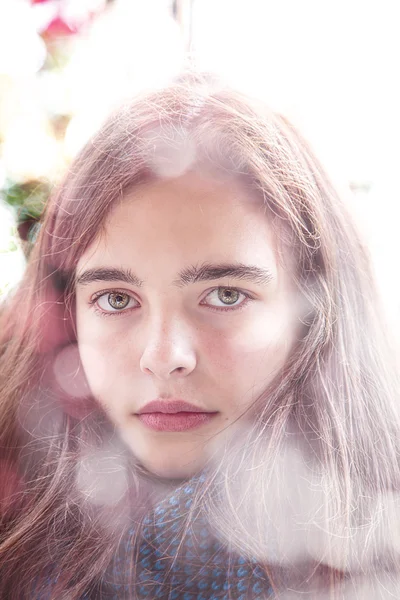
column 169, row 342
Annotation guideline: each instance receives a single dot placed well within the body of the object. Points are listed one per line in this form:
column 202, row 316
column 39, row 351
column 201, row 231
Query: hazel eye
column 229, row 298
column 115, row 300
column 118, row 300
column 228, row 295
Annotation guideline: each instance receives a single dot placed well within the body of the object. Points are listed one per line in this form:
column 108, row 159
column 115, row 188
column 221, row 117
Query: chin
column 170, row 460
column 169, row 469
column 167, row 464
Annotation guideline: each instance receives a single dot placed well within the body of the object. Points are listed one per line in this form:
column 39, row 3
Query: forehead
column 193, row 217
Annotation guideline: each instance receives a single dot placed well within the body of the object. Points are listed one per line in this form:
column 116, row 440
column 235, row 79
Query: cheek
column 252, row 354
column 103, row 356
column 96, row 366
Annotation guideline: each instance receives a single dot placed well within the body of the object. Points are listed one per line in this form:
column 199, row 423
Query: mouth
column 173, row 415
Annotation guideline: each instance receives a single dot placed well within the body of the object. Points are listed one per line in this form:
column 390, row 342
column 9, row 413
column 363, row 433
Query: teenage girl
column 198, row 397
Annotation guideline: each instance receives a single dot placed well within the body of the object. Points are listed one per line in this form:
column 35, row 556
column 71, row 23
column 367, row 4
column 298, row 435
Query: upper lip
column 170, row 407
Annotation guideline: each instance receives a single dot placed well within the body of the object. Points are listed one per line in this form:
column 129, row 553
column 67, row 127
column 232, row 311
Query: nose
column 168, row 350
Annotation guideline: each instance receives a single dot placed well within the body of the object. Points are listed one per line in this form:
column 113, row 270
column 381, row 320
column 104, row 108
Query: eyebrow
column 189, row 275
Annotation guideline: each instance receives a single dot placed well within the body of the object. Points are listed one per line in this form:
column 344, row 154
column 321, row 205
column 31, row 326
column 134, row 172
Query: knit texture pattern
column 176, row 562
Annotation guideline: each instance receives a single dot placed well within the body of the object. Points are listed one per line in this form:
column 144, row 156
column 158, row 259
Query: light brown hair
column 339, row 386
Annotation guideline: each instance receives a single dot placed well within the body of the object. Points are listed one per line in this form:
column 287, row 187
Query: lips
column 169, row 407
column 173, row 415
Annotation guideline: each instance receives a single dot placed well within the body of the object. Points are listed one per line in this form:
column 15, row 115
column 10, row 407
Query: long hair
column 338, row 389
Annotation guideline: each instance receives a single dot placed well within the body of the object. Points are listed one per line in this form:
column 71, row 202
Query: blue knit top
column 170, row 566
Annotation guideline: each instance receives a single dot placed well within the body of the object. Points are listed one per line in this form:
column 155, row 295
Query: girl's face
column 183, row 298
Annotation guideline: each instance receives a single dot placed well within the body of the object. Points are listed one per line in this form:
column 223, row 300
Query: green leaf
column 28, row 198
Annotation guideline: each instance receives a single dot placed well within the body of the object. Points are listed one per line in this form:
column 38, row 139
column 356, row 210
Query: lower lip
column 181, row 421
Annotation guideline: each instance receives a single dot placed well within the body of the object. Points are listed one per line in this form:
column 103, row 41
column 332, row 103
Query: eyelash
column 115, row 313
